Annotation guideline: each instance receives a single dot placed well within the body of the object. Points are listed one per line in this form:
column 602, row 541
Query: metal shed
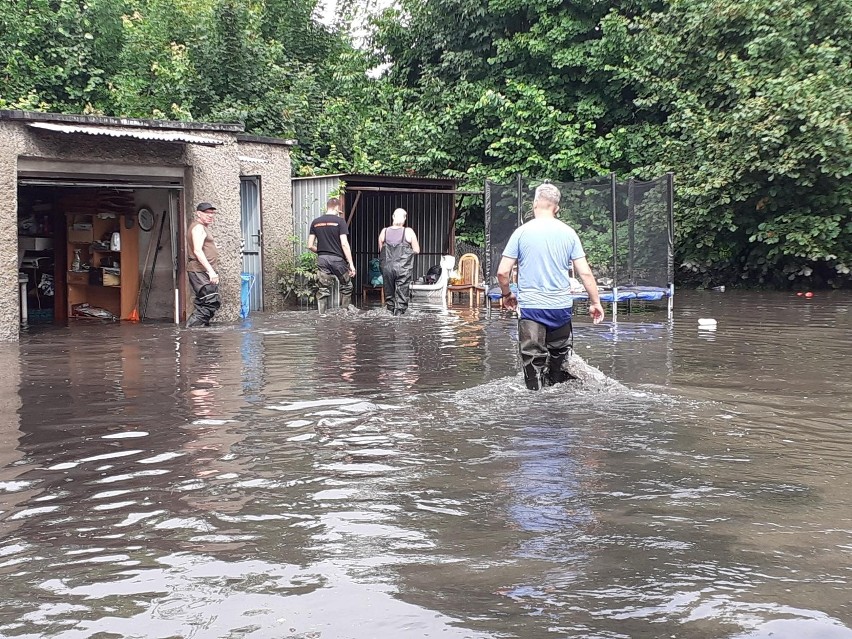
column 369, row 201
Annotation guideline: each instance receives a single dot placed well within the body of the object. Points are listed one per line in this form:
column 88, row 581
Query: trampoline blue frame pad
column 644, row 293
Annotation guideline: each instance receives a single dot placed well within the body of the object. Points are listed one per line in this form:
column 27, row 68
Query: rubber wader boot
column 195, row 321
column 557, row 370
column 535, row 377
column 322, row 305
column 346, row 300
column 533, row 352
column 560, row 344
column 559, row 375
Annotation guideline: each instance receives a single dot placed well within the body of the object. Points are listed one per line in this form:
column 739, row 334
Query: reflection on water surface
column 375, row 477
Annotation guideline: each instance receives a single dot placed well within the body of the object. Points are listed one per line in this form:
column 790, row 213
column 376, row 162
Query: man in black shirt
column 329, row 239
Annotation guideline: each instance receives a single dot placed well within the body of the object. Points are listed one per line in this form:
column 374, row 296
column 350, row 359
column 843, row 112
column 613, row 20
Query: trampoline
column 625, row 294
column 627, row 231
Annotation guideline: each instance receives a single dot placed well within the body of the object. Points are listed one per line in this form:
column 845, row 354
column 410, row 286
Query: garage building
column 95, row 211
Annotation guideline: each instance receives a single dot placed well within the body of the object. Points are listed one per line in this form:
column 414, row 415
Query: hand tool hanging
column 154, row 265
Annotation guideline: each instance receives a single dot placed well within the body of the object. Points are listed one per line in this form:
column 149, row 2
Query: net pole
column 670, row 263
column 520, row 182
column 613, row 184
column 631, row 228
column 488, row 248
column 520, row 221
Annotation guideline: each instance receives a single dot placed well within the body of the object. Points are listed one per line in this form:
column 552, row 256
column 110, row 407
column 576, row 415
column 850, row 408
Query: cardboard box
column 78, row 277
column 111, row 279
column 80, row 236
column 105, row 277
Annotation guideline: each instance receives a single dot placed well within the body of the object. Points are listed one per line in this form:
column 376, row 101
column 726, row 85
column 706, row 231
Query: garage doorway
column 90, row 248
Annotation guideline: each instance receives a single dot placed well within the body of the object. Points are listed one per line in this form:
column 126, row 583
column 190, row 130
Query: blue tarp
column 644, row 293
column 495, row 293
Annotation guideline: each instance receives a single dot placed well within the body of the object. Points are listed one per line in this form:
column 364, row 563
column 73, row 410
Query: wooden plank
column 354, row 208
column 129, row 269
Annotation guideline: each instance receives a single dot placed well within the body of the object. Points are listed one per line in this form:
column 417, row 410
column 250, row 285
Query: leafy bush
column 298, row 278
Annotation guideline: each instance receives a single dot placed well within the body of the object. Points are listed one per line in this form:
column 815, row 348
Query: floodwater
column 373, row 477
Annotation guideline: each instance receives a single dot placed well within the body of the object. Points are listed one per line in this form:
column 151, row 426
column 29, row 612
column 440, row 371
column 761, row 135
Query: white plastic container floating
column 706, row 322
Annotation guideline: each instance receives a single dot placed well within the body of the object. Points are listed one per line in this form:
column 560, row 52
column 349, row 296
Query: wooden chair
column 367, row 287
column 469, row 271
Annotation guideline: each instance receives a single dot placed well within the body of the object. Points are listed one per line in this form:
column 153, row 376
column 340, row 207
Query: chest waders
column 397, row 266
column 206, row 300
column 544, row 353
column 335, row 283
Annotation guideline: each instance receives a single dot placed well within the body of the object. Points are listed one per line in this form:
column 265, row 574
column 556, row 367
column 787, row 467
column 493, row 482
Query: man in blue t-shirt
column 544, row 249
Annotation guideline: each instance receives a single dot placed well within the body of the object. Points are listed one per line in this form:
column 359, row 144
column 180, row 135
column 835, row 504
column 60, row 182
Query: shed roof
column 106, row 126
column 99, row 120
column 139, row 134
column 412, row 181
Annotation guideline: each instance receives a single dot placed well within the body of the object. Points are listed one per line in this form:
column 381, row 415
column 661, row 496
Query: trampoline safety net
column 626, row 228
column 644, row 243
column 503, row 214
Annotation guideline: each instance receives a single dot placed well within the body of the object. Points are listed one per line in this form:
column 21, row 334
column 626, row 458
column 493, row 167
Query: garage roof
column 139, row 134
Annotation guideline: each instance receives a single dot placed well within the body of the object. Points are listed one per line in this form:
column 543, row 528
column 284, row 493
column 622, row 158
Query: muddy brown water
column 359, row 477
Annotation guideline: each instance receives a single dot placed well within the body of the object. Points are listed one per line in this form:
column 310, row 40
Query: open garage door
column 95, row 238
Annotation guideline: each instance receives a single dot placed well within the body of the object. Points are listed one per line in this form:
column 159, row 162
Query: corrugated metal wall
column 429, row 214
column 309, row 198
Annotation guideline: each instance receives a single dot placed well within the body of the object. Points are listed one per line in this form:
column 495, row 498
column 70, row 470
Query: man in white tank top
column 202, row 257
column 397, row 247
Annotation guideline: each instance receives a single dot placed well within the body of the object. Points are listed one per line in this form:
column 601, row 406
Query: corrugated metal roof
column 402, row 176
column 139, row 134
column 376, row 176
column 319, row 177
column 101, row 120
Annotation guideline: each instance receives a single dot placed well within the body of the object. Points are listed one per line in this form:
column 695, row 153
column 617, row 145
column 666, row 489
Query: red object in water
column 799, row 294
column 809, row 294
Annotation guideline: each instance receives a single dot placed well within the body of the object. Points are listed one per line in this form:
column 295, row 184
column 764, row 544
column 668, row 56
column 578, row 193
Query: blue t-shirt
column 544, row 248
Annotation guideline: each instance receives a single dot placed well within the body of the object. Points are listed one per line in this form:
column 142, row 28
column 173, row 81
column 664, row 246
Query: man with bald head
column 397, row 247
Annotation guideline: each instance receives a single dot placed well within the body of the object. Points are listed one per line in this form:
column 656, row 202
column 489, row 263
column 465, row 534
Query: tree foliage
column 748, row 103
column 757, row 98
column 259, row 62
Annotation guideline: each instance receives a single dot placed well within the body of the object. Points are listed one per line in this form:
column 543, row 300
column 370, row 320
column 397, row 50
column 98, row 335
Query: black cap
column 205, row 206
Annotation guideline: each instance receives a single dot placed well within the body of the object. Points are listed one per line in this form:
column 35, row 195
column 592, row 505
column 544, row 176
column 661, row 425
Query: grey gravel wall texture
column 211, row 173
column 10, row 147
column 276, row 207
column 214, row 176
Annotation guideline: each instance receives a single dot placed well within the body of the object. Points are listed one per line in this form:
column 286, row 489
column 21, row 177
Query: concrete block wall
column 10, row 149
column 214, row 176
